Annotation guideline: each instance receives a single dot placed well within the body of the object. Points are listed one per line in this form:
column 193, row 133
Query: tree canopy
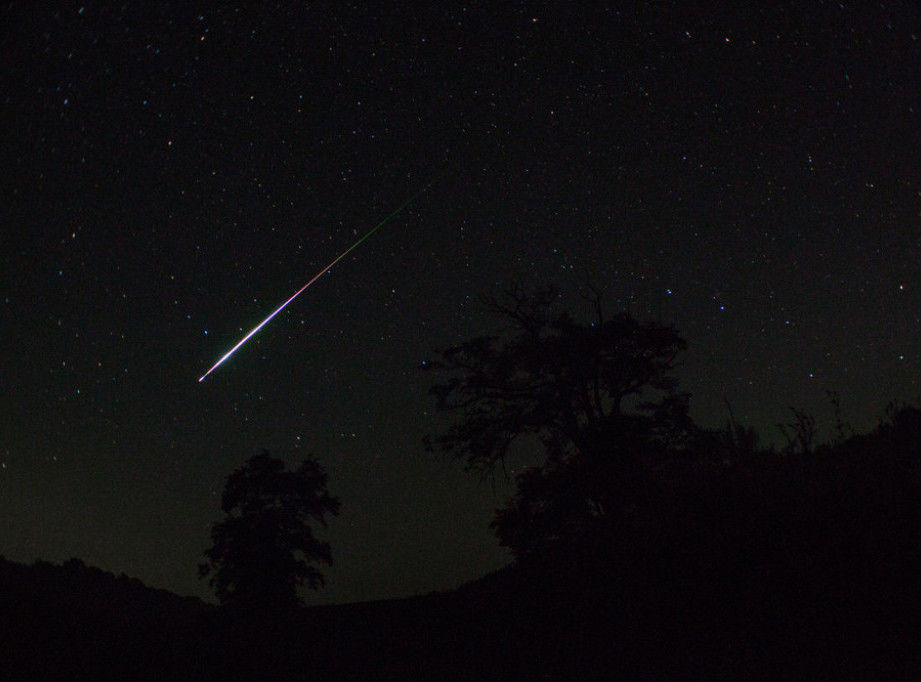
column 264, row 548
column 599, row 396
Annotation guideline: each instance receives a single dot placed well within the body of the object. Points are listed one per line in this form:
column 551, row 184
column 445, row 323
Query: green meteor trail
column 315, row 278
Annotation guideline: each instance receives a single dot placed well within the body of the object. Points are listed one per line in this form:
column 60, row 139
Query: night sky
column 168, row 176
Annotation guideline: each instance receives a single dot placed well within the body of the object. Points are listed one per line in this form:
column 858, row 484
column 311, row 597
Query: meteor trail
column 315, row 278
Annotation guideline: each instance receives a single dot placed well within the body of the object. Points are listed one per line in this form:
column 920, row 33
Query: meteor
column 315, row 278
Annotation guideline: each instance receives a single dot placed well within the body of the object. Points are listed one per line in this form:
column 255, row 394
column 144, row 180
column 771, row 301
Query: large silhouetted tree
column 599, row 396
column 264, row 549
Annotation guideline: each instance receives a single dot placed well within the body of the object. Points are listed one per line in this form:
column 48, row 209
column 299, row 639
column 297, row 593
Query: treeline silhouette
column 646, row 546
column 74, row 621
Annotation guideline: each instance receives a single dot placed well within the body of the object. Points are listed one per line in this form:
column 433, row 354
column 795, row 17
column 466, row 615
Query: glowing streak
column 315, row 278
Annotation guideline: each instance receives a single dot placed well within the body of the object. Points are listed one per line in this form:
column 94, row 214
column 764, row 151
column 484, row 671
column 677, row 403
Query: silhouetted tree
column 600, row 398
column 264, row 549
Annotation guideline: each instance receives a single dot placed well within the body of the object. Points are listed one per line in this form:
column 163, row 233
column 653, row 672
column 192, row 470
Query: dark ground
column 776, row 566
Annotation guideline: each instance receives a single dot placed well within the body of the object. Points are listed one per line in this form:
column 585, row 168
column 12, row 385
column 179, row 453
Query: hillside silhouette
column 754, row 563
column 645, row 546
column 58, row 621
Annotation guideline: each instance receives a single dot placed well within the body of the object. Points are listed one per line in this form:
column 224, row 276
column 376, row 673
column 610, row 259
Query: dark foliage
column 265, row 549
column 600, row 397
